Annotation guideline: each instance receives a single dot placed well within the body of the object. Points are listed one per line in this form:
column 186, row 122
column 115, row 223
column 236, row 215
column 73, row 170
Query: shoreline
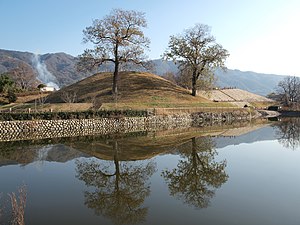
column 43, row 129
column 289, row 113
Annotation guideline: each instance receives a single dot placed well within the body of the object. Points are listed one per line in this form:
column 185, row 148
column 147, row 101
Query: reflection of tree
column 196, row 177
column 288, row 132
column 118, row 195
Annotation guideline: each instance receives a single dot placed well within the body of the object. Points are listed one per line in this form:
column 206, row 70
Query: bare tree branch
column 69, row 96
column 196, row 52
column 118, row 38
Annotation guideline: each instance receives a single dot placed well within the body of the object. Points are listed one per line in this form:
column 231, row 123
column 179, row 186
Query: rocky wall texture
column 42, row 129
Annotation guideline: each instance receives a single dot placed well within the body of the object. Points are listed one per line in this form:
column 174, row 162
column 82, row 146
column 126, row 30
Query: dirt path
column 268, row 113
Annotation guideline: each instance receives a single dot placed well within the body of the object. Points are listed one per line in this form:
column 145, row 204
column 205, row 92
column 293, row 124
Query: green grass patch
column 73, row 115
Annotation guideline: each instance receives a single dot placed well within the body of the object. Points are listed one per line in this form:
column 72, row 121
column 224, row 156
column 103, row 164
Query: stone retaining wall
column 42, row 129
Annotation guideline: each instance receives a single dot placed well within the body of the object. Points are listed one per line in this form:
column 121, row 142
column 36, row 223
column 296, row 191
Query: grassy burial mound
column 236, row 96
column 136, row 90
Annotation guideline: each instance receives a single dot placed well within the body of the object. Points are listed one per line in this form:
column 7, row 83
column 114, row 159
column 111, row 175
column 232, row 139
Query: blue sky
column 260, row 35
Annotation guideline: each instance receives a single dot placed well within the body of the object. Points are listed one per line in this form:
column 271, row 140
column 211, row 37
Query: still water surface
column 244, row 176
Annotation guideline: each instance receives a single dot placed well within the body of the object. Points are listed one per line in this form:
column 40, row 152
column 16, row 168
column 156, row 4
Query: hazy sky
column 260, row 35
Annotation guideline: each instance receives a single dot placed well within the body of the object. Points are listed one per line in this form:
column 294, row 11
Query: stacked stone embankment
column 42, row 129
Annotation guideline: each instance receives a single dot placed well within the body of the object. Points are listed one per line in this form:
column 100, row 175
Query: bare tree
column 69, row 96
column 170, row 76
column 288, row 132
column 184, row 78
column 288, row 90
column 119, row 194
column 42, row 98
column 117, row 38
column 197, row 174
column 197, row 52
column 96, row 102
column 24, row 76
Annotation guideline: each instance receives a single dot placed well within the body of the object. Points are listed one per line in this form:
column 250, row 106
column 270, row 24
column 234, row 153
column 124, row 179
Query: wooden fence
column 183, row 110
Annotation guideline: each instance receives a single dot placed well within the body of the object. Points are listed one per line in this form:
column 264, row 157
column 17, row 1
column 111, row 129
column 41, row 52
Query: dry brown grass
column 136, row 91
column 30, row 97
column 188, row 110
column 262, row 105
column 18, row 204
column 64, row 107
column 57, row 107
column 232, row 95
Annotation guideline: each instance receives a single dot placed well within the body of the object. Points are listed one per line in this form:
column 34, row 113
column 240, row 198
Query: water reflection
column 288, row 132
column 119, row 193
column 197, row 175
column 114, row 172
column 24, row 153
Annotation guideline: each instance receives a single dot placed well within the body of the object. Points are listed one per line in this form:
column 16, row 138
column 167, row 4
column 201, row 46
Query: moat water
column 229, row 175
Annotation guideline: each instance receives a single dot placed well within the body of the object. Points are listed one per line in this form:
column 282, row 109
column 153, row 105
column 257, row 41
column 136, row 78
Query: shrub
column 11, row 96
column 73, row 115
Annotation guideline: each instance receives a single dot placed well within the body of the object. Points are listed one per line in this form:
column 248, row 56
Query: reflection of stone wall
column 41, row 129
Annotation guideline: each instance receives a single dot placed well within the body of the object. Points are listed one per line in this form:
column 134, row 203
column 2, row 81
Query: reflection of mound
column 134, row 148
column 130, row 146
column 156, row 143
column 242, row 130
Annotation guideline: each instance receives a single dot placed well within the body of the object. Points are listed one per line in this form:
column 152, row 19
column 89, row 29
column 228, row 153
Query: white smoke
column 44, row 75
column 41, row 157
column 42, row 153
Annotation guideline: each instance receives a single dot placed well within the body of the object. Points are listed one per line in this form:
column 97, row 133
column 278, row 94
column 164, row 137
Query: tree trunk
column 194, row 84
column 117, row 166
column 115, row 80
column 116, row 73
column 194, row 153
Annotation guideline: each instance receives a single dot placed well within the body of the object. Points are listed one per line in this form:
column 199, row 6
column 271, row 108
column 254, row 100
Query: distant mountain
column 258, row 83
column 265, row 133
column 61, row 66
column 161, row 67
column 57, row 67
column 10, row 59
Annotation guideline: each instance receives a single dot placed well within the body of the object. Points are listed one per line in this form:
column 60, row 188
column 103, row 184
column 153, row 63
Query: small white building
column 47, row 89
